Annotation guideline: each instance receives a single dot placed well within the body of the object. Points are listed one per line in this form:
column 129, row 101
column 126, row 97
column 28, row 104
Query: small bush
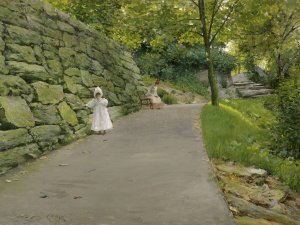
column 224, row 83
column 169, row 99
column 161, row 92
column 286, row 131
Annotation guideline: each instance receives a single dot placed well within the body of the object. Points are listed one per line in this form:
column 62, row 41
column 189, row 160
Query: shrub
column 169, row 99
column 166, row 97
column 161, row 92
column 286, row 131
column 224, row 83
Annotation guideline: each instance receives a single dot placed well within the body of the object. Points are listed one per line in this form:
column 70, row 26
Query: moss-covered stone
column 1, row 29
column 13, row 85
column 118, row 81
column 96, row 67
column 20, row 53
column 53, row 33
column 50, row 55
column 51, row 48
column 12, row 138
column 51, row 41
column 97, row 80
column 23, row 36
column 110, row 86
column 48, row 94
column 83, row 92
column 45, row 114
column 65, row 27
column 15, row 112
column 16, row 156
column 50, row 10
column 131, row 66
column 74, row 101
column 83, row 61
column 38, row 51
column 72, row 72
column 70, row 84
column 46, row 135
column 67, row 113
column 28, row 72
column 65, row 53
column 86, row 78
column 70, row 40
column 3, row 67
column 67, row 56
column 55, row 68
column 112, row 98
column 82, row 116
column 130, row 89
column 2, row 44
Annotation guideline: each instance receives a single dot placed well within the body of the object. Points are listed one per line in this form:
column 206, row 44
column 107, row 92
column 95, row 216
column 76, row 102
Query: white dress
column 152, row 95
column 101, row 119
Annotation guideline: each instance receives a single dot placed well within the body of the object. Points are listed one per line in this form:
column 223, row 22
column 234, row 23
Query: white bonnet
column 98, row 90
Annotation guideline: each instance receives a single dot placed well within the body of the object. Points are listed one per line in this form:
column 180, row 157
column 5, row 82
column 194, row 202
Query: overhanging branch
column 227, row 17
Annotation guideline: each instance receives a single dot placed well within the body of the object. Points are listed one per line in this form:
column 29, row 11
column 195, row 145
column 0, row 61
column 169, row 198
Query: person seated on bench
column 155, row 101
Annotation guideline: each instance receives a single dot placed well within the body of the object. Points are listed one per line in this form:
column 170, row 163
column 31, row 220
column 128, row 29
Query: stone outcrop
column 49, row 65
column 256, row 198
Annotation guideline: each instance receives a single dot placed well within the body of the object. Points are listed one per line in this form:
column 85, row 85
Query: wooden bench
column 145, row 100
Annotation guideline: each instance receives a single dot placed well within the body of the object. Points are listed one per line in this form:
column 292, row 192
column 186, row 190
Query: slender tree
column 213, row 17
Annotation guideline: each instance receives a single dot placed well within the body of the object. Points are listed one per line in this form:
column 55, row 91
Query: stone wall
column 49, row 66
column 222, row 78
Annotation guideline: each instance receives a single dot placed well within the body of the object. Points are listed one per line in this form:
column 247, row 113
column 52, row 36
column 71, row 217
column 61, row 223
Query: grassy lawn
column 237, row 131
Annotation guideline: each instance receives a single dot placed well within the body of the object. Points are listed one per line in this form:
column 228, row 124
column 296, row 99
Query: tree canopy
column 265, row 30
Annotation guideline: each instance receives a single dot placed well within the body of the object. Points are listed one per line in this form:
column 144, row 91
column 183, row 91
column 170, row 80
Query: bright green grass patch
column 253, row 109
column 184, row 85
column 232, row 134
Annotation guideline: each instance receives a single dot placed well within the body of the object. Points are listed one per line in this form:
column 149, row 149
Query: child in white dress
column 101, row 120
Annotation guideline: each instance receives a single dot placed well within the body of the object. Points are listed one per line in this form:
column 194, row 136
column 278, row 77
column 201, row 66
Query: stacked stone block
column 50, row 64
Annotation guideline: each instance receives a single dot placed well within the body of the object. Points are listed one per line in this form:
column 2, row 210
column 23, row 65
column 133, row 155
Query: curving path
column 150, row 170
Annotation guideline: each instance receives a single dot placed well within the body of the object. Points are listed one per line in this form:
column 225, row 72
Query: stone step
column 256, row 87
column 238, row 84
column 253, row 93
column 259, row 85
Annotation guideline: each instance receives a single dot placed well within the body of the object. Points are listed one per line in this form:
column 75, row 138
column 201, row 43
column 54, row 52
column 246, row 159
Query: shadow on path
column 150, row 170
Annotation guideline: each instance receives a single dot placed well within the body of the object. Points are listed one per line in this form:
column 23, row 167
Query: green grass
column 235, row 131
column 253, row 109
column 184, row 85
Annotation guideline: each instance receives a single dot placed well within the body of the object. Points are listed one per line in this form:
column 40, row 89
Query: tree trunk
column 212, row 77
column 206, row 38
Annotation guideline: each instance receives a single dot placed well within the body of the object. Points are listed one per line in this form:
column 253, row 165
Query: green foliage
column 223, row 61
column 180, row 63
column 161, row 92
column 224, row 83
column 286, row 132
column 169, row 99
column 233, row 135
column 166, row 97
column 185, row 84
column 269, row 30
column 100, row 14
column 254, row 110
